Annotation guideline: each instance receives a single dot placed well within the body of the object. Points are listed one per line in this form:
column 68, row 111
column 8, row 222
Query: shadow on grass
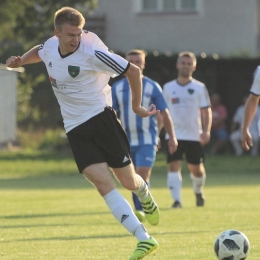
column 111, row 236
column 221, row 170
column 30, row 216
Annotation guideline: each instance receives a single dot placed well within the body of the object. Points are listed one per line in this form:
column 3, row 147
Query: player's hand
column 204, row 137
column 14, row 62
column 142, row 112
column 172, row 145
column 246, row 140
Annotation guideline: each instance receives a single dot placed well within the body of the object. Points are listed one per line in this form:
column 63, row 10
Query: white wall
column 8, row 105
column 221, row 26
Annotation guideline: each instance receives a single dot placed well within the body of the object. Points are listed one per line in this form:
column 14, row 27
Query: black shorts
column 100, row 139
column 192, row 150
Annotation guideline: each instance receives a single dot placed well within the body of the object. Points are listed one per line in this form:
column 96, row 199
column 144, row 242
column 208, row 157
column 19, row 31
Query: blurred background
column 223, row 34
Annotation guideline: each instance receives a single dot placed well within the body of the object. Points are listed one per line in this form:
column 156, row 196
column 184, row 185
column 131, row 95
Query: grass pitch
column 50, row 212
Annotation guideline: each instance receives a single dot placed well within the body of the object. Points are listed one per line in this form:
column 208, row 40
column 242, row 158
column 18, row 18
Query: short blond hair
column 188, row 54
column 68, row 15
column 140, row 52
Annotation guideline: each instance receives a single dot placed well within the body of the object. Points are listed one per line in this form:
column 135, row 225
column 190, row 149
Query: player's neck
column 184, row 80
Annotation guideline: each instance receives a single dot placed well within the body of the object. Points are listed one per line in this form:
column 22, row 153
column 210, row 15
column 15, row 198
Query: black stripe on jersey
column 110, row 62
column 41, row 46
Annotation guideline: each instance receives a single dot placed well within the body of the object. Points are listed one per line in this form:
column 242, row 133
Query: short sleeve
column 159, row 98
column 204, row 98
column 41, row 52
column 255, row 88
column 109, row 63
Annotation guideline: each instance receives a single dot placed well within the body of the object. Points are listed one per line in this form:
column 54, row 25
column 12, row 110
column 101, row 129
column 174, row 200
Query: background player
column 142, row 133
column 250, row 111
column 189, row 106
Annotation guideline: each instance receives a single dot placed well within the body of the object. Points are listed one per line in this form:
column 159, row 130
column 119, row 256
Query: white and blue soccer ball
column 231, row 245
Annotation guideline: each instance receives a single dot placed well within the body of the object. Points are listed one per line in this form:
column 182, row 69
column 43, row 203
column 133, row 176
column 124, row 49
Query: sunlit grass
column 49, row 211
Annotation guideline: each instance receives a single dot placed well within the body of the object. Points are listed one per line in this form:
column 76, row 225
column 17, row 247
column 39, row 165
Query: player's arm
column 28, row 58
column 206, row 120
column 169, row 127
column 249, row 113
column 134, row 77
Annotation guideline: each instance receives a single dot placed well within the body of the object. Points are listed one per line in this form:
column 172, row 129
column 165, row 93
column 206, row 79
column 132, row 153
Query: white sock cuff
column 195, row 178
column 174, row 176
column 111, row 197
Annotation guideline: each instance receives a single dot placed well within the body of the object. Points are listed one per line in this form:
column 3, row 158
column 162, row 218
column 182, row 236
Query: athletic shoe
column 176, row 204
column 144, row 248
column 151, row 210
column 140, row 215
column 199, row 199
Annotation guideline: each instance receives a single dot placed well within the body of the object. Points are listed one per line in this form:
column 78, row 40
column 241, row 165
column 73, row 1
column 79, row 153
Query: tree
column 24, row 24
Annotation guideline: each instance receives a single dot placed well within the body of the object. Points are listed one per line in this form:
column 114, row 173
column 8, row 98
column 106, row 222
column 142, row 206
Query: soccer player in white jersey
column 250, row 111
column 142, row 133
column 79, row 66
column 189, row 105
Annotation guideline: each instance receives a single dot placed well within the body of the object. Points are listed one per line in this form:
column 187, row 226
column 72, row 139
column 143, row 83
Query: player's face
column 185, row 66
column 69, row 38
column 137, row 60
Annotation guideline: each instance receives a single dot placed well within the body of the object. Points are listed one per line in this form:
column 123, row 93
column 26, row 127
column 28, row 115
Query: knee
column 132, row 183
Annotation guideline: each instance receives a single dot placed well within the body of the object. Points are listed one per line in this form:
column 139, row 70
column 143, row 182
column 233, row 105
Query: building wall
column 223, row 27
column 8, row 106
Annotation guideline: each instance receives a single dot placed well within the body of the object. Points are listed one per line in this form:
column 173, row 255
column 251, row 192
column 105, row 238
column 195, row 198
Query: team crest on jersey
column 73, row 71
column 191, row 91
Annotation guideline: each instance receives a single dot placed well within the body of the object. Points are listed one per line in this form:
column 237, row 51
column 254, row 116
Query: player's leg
column 198, row 177
column 195, row 158
column 143, row 158
column 96, row 143
column 174, row 182
column 135, row 183
column 174, row 178
column 100, row 176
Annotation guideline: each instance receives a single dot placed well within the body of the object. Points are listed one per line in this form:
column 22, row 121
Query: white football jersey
column 255, row 88
column 80, row 79
column 184, row 103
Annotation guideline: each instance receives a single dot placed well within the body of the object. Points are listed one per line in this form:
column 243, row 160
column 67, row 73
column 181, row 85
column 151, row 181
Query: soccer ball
column 231, row 245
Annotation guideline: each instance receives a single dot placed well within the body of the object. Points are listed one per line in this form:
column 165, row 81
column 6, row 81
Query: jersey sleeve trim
column 254, row 93
column 205, row 107
column 109, row 62
column 126, row 69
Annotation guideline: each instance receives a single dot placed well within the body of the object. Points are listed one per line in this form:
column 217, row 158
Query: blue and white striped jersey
column 140, row 131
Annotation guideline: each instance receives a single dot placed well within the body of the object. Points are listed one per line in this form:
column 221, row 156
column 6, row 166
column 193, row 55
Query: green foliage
column 54, row 140
column 50, row 139
column 30, row 22
column 24, row 24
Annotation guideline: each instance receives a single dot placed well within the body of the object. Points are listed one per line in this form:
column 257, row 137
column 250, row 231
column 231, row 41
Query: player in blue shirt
column 143, row 133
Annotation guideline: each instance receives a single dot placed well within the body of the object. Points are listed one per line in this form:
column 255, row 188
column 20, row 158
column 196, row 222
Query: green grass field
column 50, row 212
